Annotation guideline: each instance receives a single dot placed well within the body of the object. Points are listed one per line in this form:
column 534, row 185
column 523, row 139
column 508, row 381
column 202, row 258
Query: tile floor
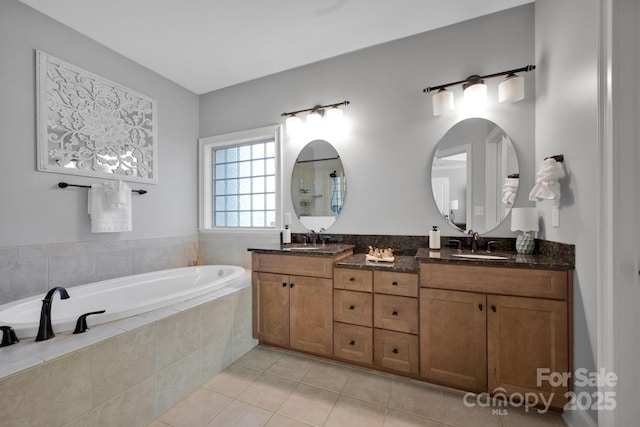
column 274, row 388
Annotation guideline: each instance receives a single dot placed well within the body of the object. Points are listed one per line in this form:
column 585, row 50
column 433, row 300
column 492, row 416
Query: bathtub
column 121, row 297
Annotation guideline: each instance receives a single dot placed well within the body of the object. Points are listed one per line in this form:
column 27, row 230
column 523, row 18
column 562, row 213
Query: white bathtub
column 120, row 298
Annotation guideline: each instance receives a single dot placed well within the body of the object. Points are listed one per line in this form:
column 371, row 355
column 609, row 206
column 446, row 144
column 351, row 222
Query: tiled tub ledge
column 129, row 371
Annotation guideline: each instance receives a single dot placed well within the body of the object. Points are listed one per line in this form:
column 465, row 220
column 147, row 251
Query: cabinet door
column 311, row 301
column 525, row 334
column 453, row 345
column 271, row 308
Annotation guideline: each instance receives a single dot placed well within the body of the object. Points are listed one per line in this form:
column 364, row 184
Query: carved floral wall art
column 88, row 125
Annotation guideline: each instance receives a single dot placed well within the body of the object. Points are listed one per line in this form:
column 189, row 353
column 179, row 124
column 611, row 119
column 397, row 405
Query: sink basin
column 478, row 256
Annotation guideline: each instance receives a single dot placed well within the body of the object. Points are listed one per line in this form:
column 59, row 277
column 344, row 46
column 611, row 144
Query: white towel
column 111, row 213
column 547, row 186
column 509, row 190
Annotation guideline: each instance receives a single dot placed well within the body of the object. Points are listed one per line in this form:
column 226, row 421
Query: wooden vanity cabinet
column 293, row 301
column 498, row 335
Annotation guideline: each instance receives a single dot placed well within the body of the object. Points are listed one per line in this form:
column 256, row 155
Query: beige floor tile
column 458, row 411
column 279, row 421
column 355, row 413
column 157, row 423
column 308, row 404
column 241, row 414
column 416, row 398
column 268, row 391
column 196, row 410
column 328, row 376
column 259, row 358
column 290, row 366
column 370, row 387
column 403, row 419
column 517, row 417
column 232, row 381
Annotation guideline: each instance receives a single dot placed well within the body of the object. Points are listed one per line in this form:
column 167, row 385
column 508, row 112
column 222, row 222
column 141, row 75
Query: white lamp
column 294, row 124
column 525, row 220
column 442, row 102
column 511, row 89
column 334, row 116
column 475, row 93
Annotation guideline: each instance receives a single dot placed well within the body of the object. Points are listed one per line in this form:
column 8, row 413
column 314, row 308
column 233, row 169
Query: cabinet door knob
column 352, row 342
column 395, row 350
column 352, row 279
column 394, row 283
column 352, row 307
column 480, row 307
column 284, row 285
column 493, row 308
column 291, row 285
column 394, row 313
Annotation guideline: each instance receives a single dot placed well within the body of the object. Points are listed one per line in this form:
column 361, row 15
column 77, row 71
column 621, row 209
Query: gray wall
column 392, row 135
column 33, row 210
column 567, row 123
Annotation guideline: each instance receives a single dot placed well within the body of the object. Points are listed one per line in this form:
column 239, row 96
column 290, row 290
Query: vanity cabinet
column 293, row 301
column 491, row 328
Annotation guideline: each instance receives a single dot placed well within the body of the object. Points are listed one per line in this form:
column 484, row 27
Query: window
column 240, row 180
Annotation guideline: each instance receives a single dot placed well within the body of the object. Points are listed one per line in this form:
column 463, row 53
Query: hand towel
column 509, row 190
column 116, row 195
column 547, row 186
column 110, row 217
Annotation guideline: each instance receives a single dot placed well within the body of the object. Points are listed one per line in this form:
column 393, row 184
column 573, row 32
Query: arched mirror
column 474, row 175
column 318, row 185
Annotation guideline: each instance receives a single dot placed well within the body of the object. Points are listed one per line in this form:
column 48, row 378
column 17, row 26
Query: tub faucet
column 45, row 330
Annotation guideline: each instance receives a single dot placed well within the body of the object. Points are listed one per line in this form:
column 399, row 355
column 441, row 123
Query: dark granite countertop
column 511, row 259
column 330, row 249
column 405, row 264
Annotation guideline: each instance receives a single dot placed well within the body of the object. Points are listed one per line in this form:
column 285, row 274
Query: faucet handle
column 9, row 336
column 81, row 324
column 458, row 242
column 489, row 243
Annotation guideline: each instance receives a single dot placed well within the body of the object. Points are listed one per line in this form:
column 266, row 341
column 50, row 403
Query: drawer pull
column 291, row 285
column 352, row 307
column 284, row 285
column 352, row 342
column 394, row 313
column 493, row 308
column 352, row 279
column 480, row 307
column 394, row 283
column 395, row 350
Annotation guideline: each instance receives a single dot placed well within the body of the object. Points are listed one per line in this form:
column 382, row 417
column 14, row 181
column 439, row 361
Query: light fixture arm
column 316, row 108
column 475, row 78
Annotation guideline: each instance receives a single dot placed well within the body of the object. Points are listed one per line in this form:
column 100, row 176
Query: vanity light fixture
column 315, row 117
column 475, row 91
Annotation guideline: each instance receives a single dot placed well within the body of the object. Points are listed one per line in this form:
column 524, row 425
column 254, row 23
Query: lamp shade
column 475, row 95
column 511, row 89
column 334, row 116
column 524, row 219
column 314, row 121
column 442, row 102
column 294, row 124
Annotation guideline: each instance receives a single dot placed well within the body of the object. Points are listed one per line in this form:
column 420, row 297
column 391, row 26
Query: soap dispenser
column 434, row 238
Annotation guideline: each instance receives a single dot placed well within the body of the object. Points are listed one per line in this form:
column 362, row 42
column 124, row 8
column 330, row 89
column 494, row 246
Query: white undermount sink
column 478, row 256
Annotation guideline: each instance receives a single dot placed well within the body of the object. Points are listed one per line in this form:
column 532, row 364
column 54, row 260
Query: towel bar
column 65, row 185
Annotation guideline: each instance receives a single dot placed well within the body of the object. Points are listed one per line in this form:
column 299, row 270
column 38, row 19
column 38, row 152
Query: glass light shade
column 524, row 219
column 314, row 120
column 442, row 102
column 334, row 116
column 475, row 95
column 294, row 124
column 511, row 89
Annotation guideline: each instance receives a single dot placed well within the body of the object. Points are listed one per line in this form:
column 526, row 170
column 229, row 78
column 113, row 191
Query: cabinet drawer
column 315, row 266
column 352, row 342
column 388, row 282
column 395, row 313
column 353, row 307
column 395, row 350
column 496, row 280
column 352, row 279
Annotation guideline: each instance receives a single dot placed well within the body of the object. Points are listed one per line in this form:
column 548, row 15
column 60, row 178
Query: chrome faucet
column 45, row 330
column 312, row 237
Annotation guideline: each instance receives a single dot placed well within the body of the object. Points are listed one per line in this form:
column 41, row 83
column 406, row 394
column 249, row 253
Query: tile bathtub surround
column 134, row 371
column 33, row 269
column 256, row 391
